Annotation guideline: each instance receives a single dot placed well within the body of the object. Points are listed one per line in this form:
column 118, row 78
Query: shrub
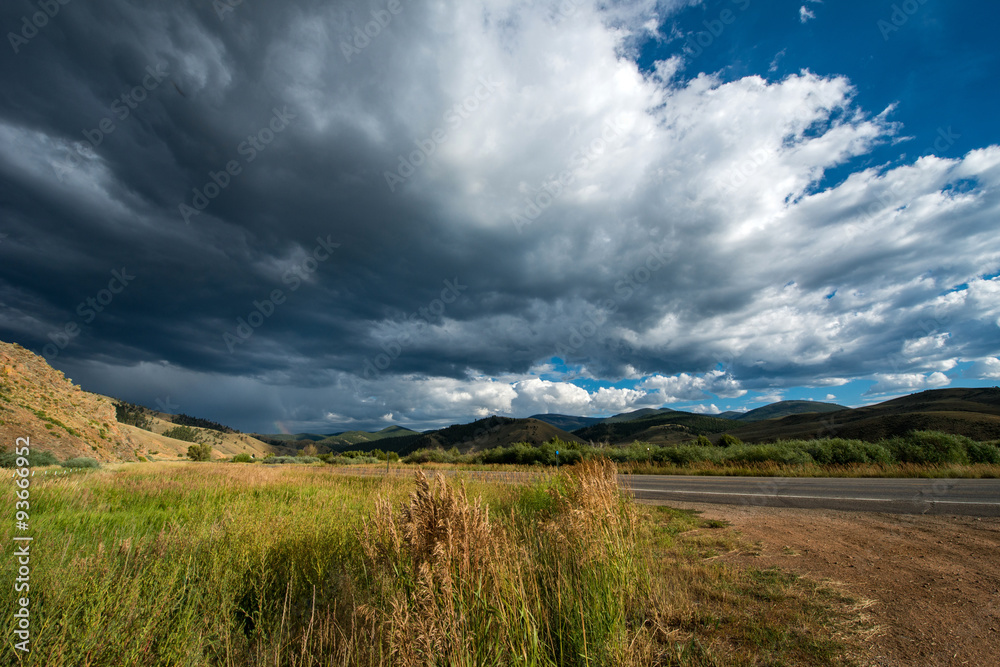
column 931, row 447
column 279, row 460
column 686, row 454
column 199, row 452
column 838, row 451
column 36, row 459
column 335, row 460
column 702, row 441
column 983, row 452
column 243, row 458
column 771, row 452
column 727, row 440
column 436, row 455
column 81, row 462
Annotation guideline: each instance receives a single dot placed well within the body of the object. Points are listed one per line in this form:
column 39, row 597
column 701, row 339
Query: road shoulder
column 934, row 580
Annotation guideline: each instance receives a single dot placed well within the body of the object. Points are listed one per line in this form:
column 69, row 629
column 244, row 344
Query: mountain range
column 60, row 417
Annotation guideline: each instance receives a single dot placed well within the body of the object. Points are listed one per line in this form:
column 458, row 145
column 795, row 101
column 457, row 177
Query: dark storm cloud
column 294, row 197
column 203, row 93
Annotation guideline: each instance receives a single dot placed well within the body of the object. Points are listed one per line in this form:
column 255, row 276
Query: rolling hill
column 661, row 427
column 973, row 412
column 643, row 413
column 482, row 434
column 59, row 417
column 335, row 442
column 290, row 437
column 784, row 409
column 226, row 442
column 573, row 423
column 567, row 422
column 352, row 438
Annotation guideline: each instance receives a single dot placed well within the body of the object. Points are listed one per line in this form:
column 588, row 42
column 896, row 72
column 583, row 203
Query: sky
column 320, row 216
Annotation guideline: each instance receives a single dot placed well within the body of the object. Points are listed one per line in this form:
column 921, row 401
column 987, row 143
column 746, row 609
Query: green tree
column 201, row 452
column 185, row 433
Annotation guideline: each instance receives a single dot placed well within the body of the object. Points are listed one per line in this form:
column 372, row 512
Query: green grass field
column 244, row 564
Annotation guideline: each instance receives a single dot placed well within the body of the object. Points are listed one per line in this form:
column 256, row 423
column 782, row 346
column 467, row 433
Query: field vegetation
column 919, row 453
column 229, row 564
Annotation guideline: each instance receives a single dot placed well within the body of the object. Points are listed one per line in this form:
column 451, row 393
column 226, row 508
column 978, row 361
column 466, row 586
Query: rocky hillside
column 59, row 417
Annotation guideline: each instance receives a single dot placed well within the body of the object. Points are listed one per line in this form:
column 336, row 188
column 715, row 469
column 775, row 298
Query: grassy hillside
column 336, row 442
column 352, row 438
column 644, row 413
column 567, row 422
column 665, row 427
column 59, row 417
column 970, row 412
column 785, row 408
column 479, row 435
column 290, row 437
column 160, row 446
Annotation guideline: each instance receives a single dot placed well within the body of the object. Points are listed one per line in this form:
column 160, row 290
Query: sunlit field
column 244, row 564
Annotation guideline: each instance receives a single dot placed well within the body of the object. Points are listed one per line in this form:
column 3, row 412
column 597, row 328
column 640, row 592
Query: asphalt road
column 971, row 497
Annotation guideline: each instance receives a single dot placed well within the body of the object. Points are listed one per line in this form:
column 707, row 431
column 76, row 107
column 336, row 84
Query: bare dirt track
column 934, row 580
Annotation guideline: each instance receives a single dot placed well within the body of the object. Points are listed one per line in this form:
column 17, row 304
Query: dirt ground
column 934, row 580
